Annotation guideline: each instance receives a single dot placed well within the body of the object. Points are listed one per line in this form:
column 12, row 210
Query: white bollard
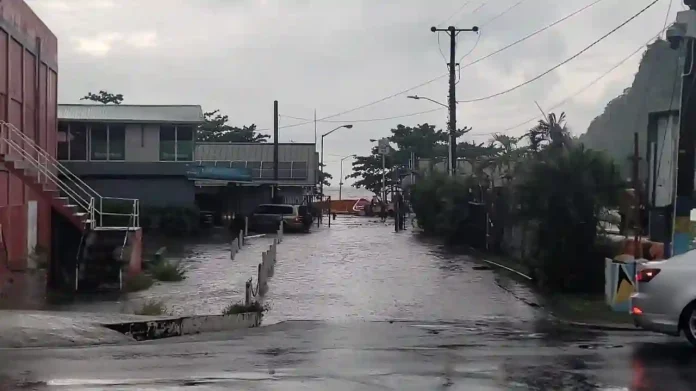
column 234, row 247
column 246, row 226
column 241, row 240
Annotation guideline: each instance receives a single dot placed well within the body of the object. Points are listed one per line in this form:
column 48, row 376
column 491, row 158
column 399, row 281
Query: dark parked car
column 268, row 217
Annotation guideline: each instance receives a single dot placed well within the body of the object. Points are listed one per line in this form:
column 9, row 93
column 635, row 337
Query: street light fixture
column 416, row 97
column 340, row 183
column 321, row 184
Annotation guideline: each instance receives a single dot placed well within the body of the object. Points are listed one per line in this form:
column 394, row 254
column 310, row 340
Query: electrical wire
column 502, row 13
column 478, row 39
column 371, row 119
column 455, row 12
column 465, row 66
column 533, row 34
column 569, row 59
column 579, row 91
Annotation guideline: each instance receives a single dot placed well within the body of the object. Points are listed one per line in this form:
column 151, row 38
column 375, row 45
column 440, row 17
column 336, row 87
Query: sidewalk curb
column 599, row 326
column 175, row 327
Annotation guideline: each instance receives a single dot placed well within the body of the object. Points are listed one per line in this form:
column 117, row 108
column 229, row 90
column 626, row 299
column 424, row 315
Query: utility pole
column 275, row 149
column 452, row 124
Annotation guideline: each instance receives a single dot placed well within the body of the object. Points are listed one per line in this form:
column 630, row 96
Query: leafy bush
column 152, row 308
column 239, row 308
column 138, row 282
column 441, row 204
column 167, row 271
column 568, row 215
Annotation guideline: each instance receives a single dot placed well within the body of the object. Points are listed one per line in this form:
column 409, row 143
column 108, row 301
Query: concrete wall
column 151, row 191
column 28, row 85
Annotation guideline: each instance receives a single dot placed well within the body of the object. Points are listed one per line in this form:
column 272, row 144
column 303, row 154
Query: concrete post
column 247, row 293
column 246, row 226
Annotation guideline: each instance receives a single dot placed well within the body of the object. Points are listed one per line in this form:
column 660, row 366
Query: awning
column 206, row 173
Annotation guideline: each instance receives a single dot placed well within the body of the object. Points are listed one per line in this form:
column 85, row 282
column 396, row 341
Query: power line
column 368, row 119
column 578, row 92
column 465, row 66
column 569, row 59
column 455, row 12
column 535, row 33
column 502, row 13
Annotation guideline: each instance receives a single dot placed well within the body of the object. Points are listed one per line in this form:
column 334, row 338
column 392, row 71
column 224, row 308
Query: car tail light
column 646, row 275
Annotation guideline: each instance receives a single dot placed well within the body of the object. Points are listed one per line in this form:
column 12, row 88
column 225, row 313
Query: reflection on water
column 357, row 269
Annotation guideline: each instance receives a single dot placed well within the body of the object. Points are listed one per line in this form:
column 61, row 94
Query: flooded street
column 358, row 269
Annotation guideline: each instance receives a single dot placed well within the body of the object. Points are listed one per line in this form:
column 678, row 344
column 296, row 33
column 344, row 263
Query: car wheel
column 689, row 323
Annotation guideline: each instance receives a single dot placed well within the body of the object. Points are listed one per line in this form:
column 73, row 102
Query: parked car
column 665, row 297
column 268, row 217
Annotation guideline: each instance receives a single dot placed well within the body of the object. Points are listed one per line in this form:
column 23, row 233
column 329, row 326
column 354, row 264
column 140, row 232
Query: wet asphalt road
column 503, row 355
column 331, row 301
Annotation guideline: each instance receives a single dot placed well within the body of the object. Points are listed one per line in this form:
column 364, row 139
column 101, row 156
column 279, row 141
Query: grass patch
column 586, row 309
column 152, row 308
column 239, row 308
column 168, row 272
column 138, row 282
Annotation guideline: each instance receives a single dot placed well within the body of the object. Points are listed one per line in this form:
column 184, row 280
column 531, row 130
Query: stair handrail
column 60, row 166
column 91, row 208
column 27, row 157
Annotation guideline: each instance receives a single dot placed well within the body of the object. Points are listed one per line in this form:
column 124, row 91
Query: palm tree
column 508, row 153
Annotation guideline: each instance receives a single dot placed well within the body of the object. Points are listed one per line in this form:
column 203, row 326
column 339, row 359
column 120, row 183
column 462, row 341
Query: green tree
column 216, row 129
column 424, row 141
column 104, row 97
column 323, row 176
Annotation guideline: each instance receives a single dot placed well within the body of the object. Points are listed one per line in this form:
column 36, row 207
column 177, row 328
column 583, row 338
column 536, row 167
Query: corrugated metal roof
column 131, row 113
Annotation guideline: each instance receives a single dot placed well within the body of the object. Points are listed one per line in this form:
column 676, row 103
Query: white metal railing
column 17, row 147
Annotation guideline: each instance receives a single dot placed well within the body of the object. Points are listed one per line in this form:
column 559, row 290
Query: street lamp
column 416, row 97
column 321, row 184
column 384, row 175
column 340, row 183
column 452, row 164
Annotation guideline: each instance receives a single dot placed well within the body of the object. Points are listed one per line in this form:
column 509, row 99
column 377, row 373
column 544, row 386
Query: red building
column 28, row 85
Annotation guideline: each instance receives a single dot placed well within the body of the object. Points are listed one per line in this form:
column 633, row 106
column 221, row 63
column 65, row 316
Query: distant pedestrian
column 382, row 211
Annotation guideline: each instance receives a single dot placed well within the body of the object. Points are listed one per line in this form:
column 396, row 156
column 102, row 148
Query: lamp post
column 384, row 171
column 340, row 183
column 321, row 184
column 452, row 165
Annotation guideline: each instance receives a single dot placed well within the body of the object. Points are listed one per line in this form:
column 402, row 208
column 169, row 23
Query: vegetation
column 216, row 129
column 104, row 97
column 138, row 282
column 168, row 272
column 152, row 308
column 239, row 308
column 324, row 177
column 520, row 177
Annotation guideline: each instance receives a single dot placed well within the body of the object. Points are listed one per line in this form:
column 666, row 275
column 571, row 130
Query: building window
column 284, row 170
column 167, row 143
column 255, row 168
column 176, row 143
column 107, row 142
column 72, row 141
column 184, row 143
column 299, row 170
column 63, row 141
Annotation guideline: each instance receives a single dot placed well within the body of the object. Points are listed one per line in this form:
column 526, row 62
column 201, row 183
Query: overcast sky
column 334, row 55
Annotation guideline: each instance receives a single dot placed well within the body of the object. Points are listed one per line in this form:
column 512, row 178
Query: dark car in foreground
column 268, row 217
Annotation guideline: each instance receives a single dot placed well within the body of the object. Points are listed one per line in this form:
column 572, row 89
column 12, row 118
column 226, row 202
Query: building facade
column 28, row 84
column 298, row 165
column 131, row 151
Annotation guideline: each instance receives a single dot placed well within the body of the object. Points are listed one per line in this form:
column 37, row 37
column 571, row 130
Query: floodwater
column 357, row 269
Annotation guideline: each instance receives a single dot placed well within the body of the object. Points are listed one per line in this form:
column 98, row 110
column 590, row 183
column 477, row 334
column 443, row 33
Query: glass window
column 184, row 143
column 117, row 142
column 255, row 168
column 99, row 142
column 299, row 170
column 239, row 164
column 284, row 170
column 63, row 142
column 77, row 137
column 167, row 143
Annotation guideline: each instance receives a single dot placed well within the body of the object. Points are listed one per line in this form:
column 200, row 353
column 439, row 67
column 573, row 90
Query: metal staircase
column 66, row 192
